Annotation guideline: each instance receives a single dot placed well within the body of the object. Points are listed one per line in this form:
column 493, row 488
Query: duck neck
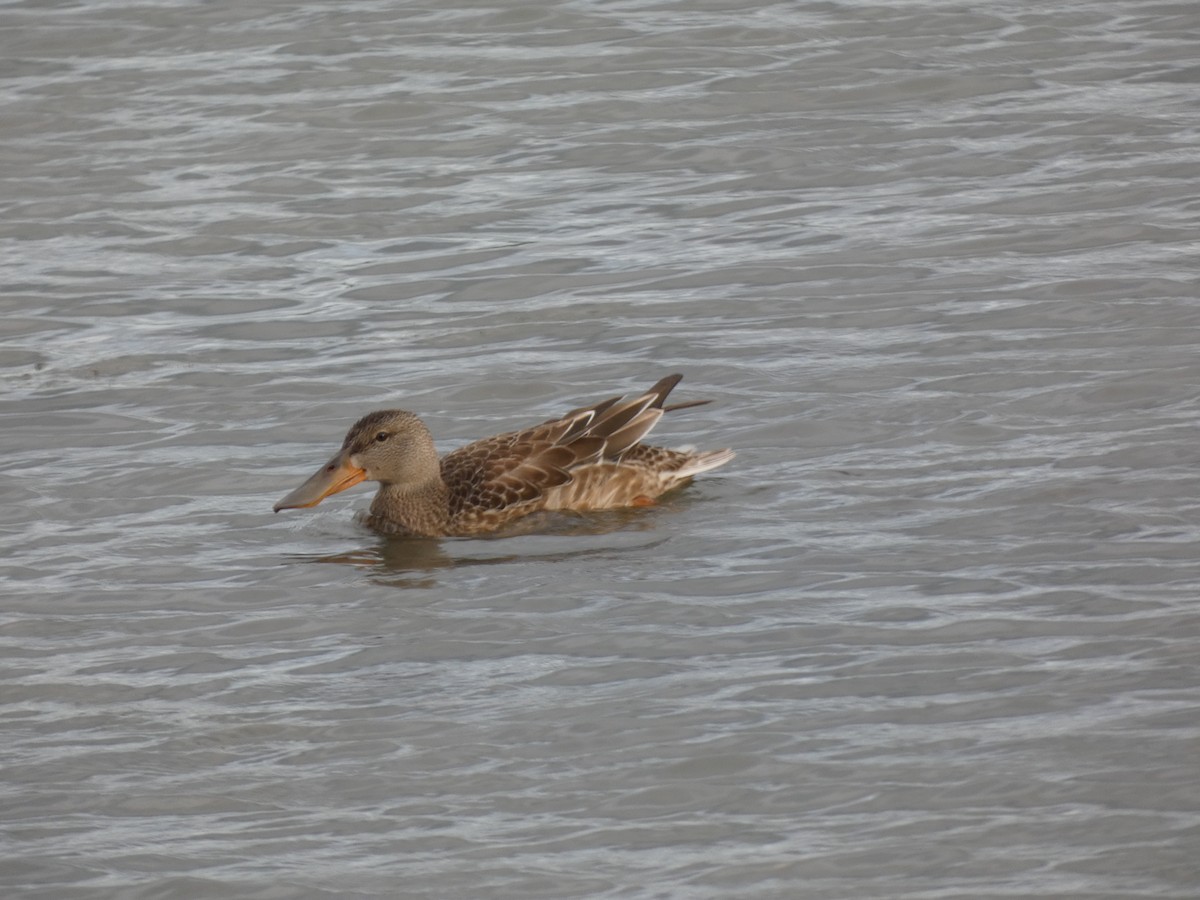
column 422, row 508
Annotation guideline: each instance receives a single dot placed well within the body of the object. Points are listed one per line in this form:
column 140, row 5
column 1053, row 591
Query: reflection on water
column 391, row 555
column 546, row 537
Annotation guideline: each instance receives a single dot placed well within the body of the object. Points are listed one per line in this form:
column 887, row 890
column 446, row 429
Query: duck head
column 390, row 446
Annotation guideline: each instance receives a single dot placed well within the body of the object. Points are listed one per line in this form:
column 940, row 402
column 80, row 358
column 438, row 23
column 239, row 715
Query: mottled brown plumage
column 591, row 458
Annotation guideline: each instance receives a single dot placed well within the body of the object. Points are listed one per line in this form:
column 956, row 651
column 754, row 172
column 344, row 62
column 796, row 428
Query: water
column 933, row 633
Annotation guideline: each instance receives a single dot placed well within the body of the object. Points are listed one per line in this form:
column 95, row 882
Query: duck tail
column 702, row 462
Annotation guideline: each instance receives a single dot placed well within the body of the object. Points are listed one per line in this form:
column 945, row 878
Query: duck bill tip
column 333, row 478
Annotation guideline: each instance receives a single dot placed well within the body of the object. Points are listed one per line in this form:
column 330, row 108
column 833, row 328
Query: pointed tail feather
column 687, row 404
column 702, row 462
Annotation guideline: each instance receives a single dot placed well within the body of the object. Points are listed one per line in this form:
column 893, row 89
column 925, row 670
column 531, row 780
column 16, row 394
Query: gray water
column 933, row 633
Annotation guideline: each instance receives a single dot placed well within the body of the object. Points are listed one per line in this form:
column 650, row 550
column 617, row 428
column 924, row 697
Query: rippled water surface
column 933, row 634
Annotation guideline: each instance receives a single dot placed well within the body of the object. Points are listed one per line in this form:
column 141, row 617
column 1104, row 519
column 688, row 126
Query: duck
column 591, row 458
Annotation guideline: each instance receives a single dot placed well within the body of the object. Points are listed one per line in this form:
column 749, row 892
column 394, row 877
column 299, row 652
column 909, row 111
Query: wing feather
column 519, row 467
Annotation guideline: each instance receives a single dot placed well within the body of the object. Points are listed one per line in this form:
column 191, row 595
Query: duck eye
column 382, row 436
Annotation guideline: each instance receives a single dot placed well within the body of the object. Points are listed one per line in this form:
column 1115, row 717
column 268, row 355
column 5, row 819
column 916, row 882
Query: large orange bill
column 336, row 475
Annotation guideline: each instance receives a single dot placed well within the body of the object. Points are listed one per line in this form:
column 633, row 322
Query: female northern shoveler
column 589, row 459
